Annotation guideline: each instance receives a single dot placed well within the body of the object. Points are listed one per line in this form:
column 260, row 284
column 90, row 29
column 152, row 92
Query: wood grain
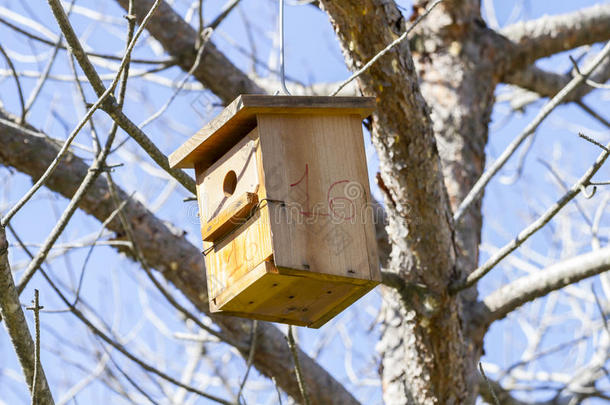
column 229, row 218
column 316, row 164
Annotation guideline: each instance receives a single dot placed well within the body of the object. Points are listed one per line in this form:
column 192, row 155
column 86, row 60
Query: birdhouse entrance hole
column 229, row 183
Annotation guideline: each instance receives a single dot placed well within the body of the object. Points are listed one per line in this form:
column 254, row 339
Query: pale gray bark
column 531, row 40
column 14, row 321
column 525, row 289
column 548, row 84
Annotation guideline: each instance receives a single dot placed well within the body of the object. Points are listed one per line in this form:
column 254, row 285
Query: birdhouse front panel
column 236, row 237
column 284, row 200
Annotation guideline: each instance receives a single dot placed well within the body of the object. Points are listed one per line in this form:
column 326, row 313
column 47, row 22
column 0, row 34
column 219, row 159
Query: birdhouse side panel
column 317, row 166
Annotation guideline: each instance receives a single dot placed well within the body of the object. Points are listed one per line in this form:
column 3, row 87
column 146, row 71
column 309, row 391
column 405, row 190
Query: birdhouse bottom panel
column 289, row 296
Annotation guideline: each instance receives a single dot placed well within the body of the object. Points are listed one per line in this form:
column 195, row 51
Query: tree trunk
column 426, row 357
column 456, row 74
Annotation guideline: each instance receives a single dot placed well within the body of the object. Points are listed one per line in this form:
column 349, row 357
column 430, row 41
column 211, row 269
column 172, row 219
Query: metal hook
column 583, row 190
column 283, row 88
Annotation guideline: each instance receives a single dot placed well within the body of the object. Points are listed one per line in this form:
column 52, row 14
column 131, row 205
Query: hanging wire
column 283, row 89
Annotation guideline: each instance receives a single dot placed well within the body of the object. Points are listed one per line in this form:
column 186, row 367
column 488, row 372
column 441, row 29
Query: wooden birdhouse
column 285, row 207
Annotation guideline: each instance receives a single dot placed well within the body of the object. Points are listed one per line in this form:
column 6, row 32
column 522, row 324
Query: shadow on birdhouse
column 285, row 207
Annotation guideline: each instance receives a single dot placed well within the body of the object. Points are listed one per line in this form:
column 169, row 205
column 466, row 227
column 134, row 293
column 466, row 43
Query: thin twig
column 17, row 82
column 253, row 337
column 61, row 224
column 385, row 50
column 35, row 37
column 111, row 108
column 588, row 81
column 45, row 74
column 297, row 365
column 601, row 310
column 564, row 186
column 226, row 10
column 36, row 309
column 480, row 185
column 205, row 37
column 127, row 377
column 593, row 113
column 200, row 17
column 58, row 11
column 277, row 389
column 124, row 351
column 139, row 256
column 533, row 227
column 90, row 251
column 593, row 141
column 94, row 170
column 491, row 389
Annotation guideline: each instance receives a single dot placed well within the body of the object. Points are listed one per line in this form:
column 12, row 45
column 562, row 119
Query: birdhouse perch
column 285, row 207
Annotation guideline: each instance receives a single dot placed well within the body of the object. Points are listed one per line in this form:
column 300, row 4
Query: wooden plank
column 239, row 117
column 232, row 216
column 316, row 164
column 268, row 295
column 238, row 252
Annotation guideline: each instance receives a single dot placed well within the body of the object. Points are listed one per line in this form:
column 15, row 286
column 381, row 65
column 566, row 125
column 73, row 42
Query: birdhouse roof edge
column 239, row 117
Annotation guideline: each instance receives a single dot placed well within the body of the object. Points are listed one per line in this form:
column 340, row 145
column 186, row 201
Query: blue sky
column 116, row 287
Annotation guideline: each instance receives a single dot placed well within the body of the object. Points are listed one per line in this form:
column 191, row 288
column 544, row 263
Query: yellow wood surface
column 229, row 218
column 238, row 252
column 267, row 294
column 239, row 117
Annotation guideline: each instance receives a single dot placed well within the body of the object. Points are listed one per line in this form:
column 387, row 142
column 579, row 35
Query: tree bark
column 426, row 334
column 14, row 320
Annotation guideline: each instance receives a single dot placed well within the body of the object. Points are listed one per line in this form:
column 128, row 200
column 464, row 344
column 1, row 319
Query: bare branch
column 108, row 105
column 92, row 174
column 490, row 388
column 37, row 367
column 297, row 366
column 549, row 35
column 501, row 302
column 17, row 327
column 534, row 226
column 478, row 188
column 548, row 84
column 179, row 39
column 124, row 351
column 17, row 82
column 37, row 38
column 249, row 360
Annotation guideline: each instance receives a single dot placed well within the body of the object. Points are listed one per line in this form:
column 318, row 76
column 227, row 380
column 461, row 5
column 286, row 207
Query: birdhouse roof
column 238, row 118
